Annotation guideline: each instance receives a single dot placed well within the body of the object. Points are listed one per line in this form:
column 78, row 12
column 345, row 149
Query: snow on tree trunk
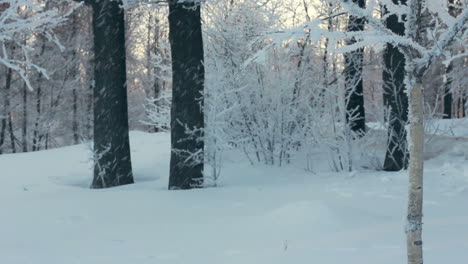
column 187, row 118
column 112, row 164
column 355, row 111
column 395, row 99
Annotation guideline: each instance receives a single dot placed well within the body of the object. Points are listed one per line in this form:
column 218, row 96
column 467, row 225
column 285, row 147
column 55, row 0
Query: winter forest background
column 306, row 87
column 257, row 52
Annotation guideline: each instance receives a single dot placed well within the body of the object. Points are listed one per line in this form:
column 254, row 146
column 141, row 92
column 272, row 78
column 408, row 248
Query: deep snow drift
column 257, row 214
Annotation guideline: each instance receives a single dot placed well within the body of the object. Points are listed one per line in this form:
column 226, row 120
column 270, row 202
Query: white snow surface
column 257, row 214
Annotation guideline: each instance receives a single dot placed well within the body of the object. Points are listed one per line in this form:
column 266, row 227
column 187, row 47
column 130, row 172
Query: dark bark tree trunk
column 90, row 111
column 454, row 10
column 448, row 97
column 36, row 133
column 75, row 117
column 6, row 111
column 12, row 133
column 112, row 164
column 156, row 89
column 464, row 105
column 355, row 111
column 2, row 133
column 7, row 122
column 88, row 84
column 186, row 166
column 395, row 98
column 461, row 108
column 25, row 119
column 74, row 73
column 151, row 48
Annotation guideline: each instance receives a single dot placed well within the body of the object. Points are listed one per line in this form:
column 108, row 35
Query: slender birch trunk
column 416, row 140
column 416, row 164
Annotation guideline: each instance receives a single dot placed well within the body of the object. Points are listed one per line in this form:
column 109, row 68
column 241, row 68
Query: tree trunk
column 448, row 97
column 112, row 164
column 89, row 83
column 25, row 118
column 36, row 136
column 187, row 119
column 416, row 166
column 12, row 133
column 156, row 90
column 454, row 10
column 151, row 70
column 6, row 110
column 416, row 138
column 461, row 106
column 355, row 111
column 7, row 122
column 75, row 117
column 2, row 131
column 90, row 111
column 395, row 99
column 74, row 72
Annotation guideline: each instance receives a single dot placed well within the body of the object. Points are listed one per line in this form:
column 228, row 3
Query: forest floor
column 257, row 214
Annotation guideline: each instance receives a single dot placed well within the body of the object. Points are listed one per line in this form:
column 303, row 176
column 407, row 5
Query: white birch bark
column 415, row 140
column 415, row 190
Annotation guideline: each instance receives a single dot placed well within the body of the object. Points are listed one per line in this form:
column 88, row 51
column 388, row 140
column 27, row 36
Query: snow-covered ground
column 257, row 215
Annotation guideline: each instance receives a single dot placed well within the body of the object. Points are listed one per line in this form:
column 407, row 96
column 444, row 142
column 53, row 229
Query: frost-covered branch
column 441, row 46
column 21, row 19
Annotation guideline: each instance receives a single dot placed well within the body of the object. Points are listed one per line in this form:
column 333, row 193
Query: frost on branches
column 421, row 46
column 20, row 19
column 272, row 78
